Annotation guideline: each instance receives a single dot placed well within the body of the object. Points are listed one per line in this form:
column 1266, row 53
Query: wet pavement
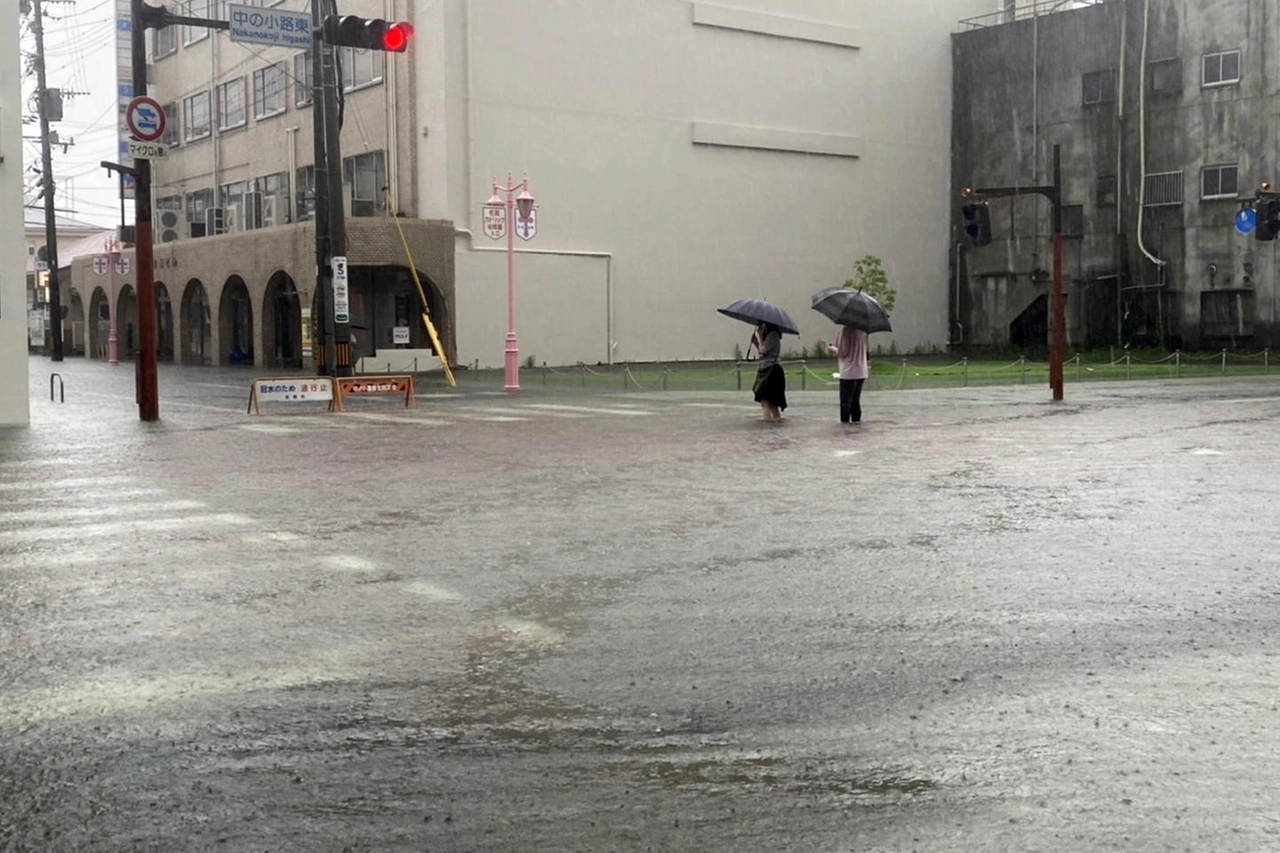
column 586, row 621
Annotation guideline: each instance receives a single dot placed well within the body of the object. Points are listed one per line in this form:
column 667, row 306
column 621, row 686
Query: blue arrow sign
column 1246, row 220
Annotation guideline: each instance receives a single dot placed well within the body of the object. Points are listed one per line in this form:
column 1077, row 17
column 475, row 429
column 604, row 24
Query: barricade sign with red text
column 293, row 390
column 357, row 386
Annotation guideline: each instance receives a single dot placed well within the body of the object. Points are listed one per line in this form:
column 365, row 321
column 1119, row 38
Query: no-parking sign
column 145, row 119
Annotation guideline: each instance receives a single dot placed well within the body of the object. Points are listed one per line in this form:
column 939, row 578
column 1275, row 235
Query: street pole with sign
column 504, row 214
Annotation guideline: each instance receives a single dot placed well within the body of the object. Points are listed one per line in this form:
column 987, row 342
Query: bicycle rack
column 62, row 389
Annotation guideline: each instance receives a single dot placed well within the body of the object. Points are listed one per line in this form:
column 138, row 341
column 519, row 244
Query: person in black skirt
column 771, row 380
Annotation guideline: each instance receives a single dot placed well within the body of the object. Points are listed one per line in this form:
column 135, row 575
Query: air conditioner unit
column 251, row 207
column 360, row 207
column 168, row 226
column 213, row 222
column 234, row 217
column 269, row 211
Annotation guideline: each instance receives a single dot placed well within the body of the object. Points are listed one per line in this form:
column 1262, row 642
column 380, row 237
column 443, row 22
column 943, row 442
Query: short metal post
column 964, row 369
column 1266, row 358
column 902, row 381
column 739, row 366
column 1177, row 364
column 62, row 389
column 804, row 376
column 1022, row 365
column 1128, row 366
column 1077, row 367
column 1224, row 361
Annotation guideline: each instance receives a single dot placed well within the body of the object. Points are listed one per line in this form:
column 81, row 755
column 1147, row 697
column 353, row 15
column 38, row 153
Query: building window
column 1099, row 87
column 1073, row 220
column 302, row 79
column 231, row 112
column 1220, row 69
column 1218, row 182
column 364, row 176
column 163, row 43
column 268, row 91
column 273, row 190
column 1163, row 188
column 231, row 198
column 195, row 9
column 1106, row 193
column 196, row 204
column 196, row 117
column 360, row 68
column 1166, row 77
column 306, row 190
column 171, row 122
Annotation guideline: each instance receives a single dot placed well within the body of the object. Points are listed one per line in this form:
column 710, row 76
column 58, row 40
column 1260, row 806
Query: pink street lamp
column 113, row 258
column 502, row 216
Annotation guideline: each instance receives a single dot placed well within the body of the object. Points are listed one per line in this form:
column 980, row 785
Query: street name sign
column 278, row 27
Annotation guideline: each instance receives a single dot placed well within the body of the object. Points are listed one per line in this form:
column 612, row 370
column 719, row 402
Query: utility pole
column 324, row 272
column 47, row 186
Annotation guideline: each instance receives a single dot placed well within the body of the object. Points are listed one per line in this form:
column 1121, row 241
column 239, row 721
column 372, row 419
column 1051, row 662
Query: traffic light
column 367, row 33
column 977, row 222
column 1267, row 213
column 44, row 185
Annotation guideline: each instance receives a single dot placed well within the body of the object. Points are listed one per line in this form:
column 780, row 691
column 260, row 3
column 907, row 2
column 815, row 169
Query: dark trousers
column 851, row 400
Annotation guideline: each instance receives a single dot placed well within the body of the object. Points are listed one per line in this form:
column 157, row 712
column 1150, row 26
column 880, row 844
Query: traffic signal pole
column 1057, row 300
column 145, row 366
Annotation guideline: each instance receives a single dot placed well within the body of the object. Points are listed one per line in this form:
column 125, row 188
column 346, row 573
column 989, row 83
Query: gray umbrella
column 850, row 307
column 758, row 311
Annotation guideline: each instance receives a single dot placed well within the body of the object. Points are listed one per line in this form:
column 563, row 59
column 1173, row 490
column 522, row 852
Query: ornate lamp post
column 113, row 259
column 505, row 213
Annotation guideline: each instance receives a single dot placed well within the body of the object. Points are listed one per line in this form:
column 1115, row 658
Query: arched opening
column 127, row 322
column 197, row 327
column 386, row 309
column 164, row 323
column 235, row 323
column 99, row 323
column 76, row 342
column 282, row 323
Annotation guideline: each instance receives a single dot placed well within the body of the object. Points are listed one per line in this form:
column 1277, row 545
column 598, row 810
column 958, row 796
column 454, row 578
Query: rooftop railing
column 1024, row 12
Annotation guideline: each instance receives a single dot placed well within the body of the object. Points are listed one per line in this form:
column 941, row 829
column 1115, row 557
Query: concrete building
column 1164, row 116
column 14, row 402
column 683, row 154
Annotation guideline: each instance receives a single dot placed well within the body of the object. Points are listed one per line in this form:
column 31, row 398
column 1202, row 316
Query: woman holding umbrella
column 850, row 350
column 859, row 314
column 771, row 324
column 771, row 380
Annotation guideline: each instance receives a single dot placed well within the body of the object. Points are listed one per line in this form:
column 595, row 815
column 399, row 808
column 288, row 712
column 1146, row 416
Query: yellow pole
column 426, row 317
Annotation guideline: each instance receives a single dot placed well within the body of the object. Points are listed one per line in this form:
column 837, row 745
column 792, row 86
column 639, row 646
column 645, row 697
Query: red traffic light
column 367, row 33
column 396, row 38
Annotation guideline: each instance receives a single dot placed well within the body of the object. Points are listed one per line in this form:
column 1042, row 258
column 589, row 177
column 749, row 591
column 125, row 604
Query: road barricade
column 360, row 386
column 292, row 389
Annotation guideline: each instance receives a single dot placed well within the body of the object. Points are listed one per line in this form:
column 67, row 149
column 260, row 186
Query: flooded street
column 586, row 621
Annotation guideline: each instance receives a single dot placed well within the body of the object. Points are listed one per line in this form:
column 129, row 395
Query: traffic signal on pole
column 977, row 222
column 367, row 33
column 1267, row 213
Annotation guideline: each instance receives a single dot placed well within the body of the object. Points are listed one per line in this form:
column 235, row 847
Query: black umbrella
column 850, row 307
column 758, row 311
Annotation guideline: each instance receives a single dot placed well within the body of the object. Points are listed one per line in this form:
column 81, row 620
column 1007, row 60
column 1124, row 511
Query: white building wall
column 643, row 233
column 14, row 399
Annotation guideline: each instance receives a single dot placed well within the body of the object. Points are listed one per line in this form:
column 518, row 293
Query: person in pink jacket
column 850, row 350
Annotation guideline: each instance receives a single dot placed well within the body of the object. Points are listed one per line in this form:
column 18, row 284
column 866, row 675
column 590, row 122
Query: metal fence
column 895, row 373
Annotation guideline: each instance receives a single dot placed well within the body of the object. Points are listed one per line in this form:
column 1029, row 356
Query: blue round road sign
column 1246, row 220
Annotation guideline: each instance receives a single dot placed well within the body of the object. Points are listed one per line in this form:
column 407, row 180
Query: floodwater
column 584, row 621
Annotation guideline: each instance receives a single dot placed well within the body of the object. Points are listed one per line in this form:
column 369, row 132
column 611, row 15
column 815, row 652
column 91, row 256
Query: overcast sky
column 79, row 43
